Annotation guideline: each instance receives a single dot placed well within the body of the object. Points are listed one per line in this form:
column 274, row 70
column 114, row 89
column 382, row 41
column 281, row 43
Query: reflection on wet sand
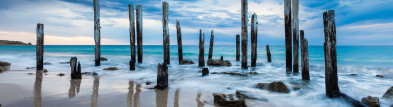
column 136, row 96
column 75, row 85
column 161, row 98
column 176, row 104
column 94, row 96
column 37, row 89
column 130, row 93
column 199, row 102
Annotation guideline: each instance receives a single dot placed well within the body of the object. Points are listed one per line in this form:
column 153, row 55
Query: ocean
column 364, row 61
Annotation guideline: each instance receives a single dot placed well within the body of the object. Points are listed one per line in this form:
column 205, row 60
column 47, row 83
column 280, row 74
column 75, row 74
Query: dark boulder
column 218, row 62
column 205, row 71
column 4, row 66
column 389, row 93
column 186, row 62
column 371, row 101
column 47, row 63
column 229, row 73
column 111, row 69
column 61, row 74
column 296, row 88
column 103, row 59
column 262, row 86
column 276, row 86
column 380, row 76
column 228, row 100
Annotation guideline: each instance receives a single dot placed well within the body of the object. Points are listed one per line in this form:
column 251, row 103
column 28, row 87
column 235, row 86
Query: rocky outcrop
column 218, row 62
column 229, row 100
column 186, row 62
column 229, row 73
column 389, row 93
column 103, row 59
column 276, row 86
column 111, row 69
column 4, row 66
column 371, row 101
column 7, row 42
column 380, row 76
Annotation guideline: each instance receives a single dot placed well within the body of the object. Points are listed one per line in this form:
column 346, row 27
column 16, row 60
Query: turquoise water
column 365, row 61
column 372, row 56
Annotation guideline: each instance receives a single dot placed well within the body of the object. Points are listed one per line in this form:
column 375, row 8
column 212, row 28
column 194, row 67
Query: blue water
column 372, row 56
column 365, row 61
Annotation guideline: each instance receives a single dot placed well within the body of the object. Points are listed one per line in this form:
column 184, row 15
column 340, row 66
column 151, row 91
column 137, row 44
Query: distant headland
column 7, row 42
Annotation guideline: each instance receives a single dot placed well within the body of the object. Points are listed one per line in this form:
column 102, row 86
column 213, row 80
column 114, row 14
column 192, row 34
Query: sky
column 70, row 22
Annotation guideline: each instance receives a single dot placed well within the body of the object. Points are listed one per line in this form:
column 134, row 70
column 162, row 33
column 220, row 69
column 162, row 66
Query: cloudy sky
column 70, row 22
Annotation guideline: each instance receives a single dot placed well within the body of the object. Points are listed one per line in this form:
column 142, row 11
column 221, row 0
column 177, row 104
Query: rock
column 243, row 94
column 47, row 63
column 148, row 82
column 45, row 71
column 29, row 67
column 65, row 62
column 186, row 62
column 296, row 88
column 228, row 100
column 230, row 73
column 380, row 76
column 262, row 85
column 103, row 59
column 111, row 69
column 218, row 62
column 205, row 71
column 253, row 72
column 276, row 86
column 4, row 64
column 353, row 74
column 371, row 101
column 61, row 74
column 389, row 93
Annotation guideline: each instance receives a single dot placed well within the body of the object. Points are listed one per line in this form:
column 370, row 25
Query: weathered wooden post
column 304, row 54
column 201, row 58
column 165, row 9
column 332, row 89
column 254, row 39
column 211, row 45
column 40, row 47
column 295, row 11
column 179, row 41
column 288, row 35
column 244, row 11
column 97, row 32
column 139, row 30
column 76, row 72
column 269, row 55
column 162, row 76
column 132, row 36
column 237, row 47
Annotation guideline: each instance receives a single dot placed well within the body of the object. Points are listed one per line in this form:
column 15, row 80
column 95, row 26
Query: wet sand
column 28, row 88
